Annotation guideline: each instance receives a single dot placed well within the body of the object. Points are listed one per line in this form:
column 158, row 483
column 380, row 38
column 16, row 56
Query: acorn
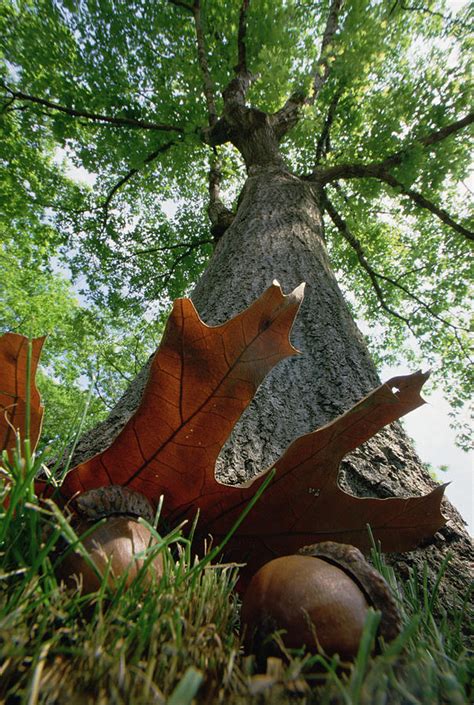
column 319, row 598
column 112, row 545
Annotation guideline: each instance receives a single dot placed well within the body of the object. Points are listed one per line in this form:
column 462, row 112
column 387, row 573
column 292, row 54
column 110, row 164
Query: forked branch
column 354, row 170
column 423, row 202
column 380, row 171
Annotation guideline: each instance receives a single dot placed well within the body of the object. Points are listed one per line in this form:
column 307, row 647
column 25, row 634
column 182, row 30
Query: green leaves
column 398, row 72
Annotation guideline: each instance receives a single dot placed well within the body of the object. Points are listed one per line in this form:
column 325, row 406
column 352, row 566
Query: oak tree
column 319, row 142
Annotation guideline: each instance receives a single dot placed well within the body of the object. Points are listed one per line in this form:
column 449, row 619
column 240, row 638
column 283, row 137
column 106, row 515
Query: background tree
column 322, row 139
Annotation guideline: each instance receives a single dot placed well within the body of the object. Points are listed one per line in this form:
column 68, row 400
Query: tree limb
column 423, row 202
column 121, row 182
column 287, row 117
column 343, row 228
column 109, row 405
column 377, row 171
column 220, row 216
column 356, row 245
column 176, row 246
column 235, row 92
column 5, row 108
column 322, row 67
column 241, row 67
column 192, row 246
column 454, row 22
column 184, row 5
column 97, row 117
column 380, row 170
column 208, row 84
column 323, row 144
column 354, row 170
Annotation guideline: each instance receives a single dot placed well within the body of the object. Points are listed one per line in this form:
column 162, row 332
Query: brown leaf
column 201, row 380
column 13, row 390
column 304, row 504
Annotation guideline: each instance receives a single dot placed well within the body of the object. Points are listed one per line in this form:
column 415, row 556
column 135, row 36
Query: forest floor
column 177, row 641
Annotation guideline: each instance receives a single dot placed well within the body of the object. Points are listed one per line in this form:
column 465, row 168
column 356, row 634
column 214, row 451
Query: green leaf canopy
column 368, row 98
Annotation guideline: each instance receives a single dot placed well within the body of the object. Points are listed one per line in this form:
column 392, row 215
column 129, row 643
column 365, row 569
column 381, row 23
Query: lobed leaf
column 201, row 380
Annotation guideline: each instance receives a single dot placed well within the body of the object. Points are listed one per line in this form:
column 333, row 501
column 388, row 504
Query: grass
column 177, row 641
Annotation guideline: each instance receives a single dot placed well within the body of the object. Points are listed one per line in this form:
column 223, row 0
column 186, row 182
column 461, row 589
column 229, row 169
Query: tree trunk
column 277, row 234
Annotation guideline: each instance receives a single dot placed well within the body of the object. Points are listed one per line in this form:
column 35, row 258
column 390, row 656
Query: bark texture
column 277, row 234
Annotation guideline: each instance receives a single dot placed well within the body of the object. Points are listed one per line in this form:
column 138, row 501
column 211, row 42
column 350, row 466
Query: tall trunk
column 277, row 234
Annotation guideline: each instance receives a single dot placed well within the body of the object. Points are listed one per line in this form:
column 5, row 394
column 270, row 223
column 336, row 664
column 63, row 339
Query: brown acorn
column 112, row 545
column 319, row 598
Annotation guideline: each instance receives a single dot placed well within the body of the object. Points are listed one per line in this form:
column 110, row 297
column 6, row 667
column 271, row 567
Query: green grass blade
column 187, row 688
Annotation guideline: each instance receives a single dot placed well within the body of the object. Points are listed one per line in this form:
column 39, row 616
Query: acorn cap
column 113, row 500
column 375, row 588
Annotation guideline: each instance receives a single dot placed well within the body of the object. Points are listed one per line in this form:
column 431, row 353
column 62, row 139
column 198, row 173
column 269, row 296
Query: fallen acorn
column 113, row 545
column 318, row 598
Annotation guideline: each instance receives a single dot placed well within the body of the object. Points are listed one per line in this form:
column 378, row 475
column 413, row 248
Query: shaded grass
column 177, row 642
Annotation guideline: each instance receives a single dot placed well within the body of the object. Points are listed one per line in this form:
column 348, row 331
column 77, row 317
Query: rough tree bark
column 277, row 233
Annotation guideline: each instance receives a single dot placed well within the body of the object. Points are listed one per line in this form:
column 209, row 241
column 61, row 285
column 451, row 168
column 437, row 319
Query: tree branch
column 379, row 170
column 241, row 67
column 166, row 248
column 97, row 117
column 287, row 117
column 184, row 5
column 446, row 131
column 235, row 92
column 109, row 405
column 202, row 59
column 322, row 67
column 220, row 216
column 111, row 361
column 343, row 228
column 323, row 144
column 423, row 202
column 454, row 22
column 121, row 182
column 354, row 170
column 5, row 108
column 180, row 258
column 374, row 275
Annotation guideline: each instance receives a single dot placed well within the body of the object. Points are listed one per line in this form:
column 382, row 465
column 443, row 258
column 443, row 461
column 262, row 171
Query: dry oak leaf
column 13, row 390
column 201, row 379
